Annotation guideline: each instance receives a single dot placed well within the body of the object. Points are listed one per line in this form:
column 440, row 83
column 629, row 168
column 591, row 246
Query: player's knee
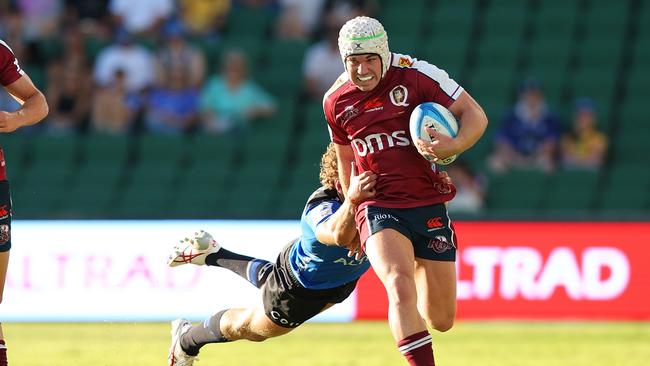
column 400, row 289
column 440, row 321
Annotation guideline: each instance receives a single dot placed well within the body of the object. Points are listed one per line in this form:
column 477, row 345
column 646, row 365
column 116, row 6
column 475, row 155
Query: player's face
column 364, row 70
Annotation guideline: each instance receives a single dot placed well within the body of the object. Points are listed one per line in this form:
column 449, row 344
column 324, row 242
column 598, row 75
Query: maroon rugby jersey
column 9, row 69
column 376, row 125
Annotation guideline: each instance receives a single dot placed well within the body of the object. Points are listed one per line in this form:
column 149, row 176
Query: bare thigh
column 436, row 287
column 4, row 264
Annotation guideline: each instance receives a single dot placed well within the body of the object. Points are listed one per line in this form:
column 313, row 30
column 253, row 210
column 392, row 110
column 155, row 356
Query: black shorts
column 5, row 217
column 428, row 228
column 288, row 304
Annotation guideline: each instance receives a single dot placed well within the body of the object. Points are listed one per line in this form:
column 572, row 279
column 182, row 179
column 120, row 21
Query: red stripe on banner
column 550, row 270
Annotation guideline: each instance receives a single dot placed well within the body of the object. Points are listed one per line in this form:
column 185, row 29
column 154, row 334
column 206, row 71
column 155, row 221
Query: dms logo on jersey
column 398, row 96
column 380, row 141
column 439, row 244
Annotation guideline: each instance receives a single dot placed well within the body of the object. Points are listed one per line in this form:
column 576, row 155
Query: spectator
column 298, row 18
column 113, row 109
column 529, row 133
column 141, row 16
column 322, row 65
column 204, row 17
column 470, row 189
column 172, row 107
column 584, row 147
column 135, row 61
column 69, row 87
column 229, row 102
column 69, row 95
column 177, row 54
column 41, row 17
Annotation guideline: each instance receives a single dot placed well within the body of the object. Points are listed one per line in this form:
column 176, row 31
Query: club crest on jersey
column 404, row 62
column 398, row 96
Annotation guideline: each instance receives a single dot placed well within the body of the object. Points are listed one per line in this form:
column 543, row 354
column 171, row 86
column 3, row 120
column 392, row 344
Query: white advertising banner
column 116, row 270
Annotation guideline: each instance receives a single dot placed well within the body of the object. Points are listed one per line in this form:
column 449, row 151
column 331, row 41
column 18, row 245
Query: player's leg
column 391, row 256
column 3, row 349
column 436, row 287
column 4, row 265
column 202, row 249
column 435, row 269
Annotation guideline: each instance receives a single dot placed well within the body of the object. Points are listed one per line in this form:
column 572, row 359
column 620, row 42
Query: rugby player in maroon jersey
column 405, row 228
column 33, row 109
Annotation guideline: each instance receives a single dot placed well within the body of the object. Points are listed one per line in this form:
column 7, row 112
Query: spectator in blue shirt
column 529, row 133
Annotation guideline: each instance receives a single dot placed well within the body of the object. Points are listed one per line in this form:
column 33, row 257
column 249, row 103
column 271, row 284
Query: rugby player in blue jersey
column 312, row 273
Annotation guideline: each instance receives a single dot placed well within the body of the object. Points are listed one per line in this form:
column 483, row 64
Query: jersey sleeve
column 436, row 85
column 336, row 131
column 10, row 71
column 321, row 212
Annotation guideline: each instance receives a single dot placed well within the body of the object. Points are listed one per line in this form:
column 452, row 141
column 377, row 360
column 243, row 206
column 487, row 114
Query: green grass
column 354, row 344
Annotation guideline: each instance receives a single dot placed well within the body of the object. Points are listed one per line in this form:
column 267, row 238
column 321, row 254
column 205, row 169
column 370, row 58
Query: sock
column 252, row 269
column 3, row 353
column 202, row 334
column 417, row 350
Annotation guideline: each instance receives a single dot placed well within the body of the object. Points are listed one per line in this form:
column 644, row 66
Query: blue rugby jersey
column 316, row 265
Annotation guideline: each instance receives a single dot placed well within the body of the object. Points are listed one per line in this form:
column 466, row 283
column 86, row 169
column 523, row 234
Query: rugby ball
column 435, row 116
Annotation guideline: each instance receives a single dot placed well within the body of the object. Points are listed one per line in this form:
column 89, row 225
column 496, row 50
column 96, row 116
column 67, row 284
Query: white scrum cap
column 364, row 35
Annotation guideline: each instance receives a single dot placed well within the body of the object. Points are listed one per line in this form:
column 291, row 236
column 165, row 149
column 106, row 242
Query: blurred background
column 212, row 109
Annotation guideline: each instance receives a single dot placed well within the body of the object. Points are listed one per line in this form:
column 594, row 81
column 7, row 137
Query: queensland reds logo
column 398, row 96
column 439, row 244
column 4, row 234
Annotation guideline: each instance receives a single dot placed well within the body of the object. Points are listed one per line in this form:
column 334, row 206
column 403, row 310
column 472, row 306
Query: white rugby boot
column 178, row 357
column 193, row 250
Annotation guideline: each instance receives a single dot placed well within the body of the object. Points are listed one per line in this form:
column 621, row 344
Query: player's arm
column 339, row 229
column 472, row 124
column 34, row 106
column 344, row 157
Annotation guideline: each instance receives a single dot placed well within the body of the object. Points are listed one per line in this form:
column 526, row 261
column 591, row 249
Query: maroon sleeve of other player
column 337, row 133
column 9, row 69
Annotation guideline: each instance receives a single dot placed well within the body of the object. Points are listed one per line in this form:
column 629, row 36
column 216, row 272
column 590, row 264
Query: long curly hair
column 329, row 172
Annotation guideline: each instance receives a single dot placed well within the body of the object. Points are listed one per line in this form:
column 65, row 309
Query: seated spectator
column 177, row 54
column 322, row 64
column 584, row 147
column 69, row 90
column 172, row 107
column 230, row 101
column 298, row 18
column 141, row 16
column 204, row 17
column 69, row 87
column 113, row 109
column 529, row 133
column 470, row 189
column 135, row 61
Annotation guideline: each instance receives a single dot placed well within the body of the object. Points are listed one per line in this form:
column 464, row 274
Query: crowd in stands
column 124, row 66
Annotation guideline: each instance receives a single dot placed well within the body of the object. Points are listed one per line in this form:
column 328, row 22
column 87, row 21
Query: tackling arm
column 34, row 106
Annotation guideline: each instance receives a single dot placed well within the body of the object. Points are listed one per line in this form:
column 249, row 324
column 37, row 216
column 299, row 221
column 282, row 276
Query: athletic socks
column 3, row 353
column 202, row 334
column 252, row 269
column 417, row 350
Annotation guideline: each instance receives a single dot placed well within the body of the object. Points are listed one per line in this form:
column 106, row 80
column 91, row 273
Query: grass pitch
column 352, row 344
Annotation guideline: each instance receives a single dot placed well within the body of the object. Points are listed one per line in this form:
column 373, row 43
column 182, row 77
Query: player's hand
column 444, row 177
column 362, row 186
column 356, row 250
column 441, row 147
column 7, row 122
